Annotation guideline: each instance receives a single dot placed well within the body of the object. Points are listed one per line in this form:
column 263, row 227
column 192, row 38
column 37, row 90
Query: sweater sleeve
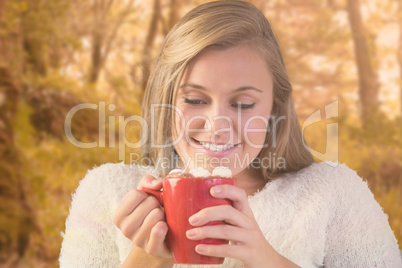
column 89, row 238
column 359, row 234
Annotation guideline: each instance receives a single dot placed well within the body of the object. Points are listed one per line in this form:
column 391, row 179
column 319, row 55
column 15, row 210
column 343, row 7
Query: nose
column 220, row 123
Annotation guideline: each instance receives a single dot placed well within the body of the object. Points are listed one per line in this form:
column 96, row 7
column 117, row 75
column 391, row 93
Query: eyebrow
column 240, row 89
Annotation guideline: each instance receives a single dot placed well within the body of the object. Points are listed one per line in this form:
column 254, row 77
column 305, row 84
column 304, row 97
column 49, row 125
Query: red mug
column 181, row 198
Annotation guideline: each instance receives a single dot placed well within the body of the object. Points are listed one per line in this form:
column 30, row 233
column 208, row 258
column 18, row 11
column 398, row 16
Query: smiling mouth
column 215, row 147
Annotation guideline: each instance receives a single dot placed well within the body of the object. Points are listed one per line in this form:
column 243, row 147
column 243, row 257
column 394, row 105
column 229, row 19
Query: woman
column 219, row 94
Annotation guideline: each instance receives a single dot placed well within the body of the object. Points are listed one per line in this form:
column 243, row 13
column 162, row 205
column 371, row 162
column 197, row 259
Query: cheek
column 194, row 123
column 186, row 124
column 254, row 132
column 191, row 121
column 181, row 119
column 178, row 126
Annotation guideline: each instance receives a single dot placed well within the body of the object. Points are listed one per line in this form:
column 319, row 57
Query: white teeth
column 216, row 147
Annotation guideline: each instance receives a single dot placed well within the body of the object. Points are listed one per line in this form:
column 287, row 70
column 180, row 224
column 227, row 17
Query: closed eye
column 193, row 101
column 243, row 106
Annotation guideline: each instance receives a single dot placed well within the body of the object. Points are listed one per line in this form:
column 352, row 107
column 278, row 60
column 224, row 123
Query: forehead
column 232, row 67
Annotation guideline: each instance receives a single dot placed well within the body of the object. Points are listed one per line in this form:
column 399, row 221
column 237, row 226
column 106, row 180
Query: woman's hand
column 247, row 243
column 141, row 219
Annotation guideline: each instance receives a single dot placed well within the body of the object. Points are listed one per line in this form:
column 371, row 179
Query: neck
column 251, row 180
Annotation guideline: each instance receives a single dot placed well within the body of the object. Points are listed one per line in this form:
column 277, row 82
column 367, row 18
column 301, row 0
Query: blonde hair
column 221, row 24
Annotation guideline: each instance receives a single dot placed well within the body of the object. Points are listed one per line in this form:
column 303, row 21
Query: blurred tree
column 17, row 217
column 148, row 46
column 32, row 49
column 365, row 61
column 156, row 19
column 2, row 6
column 33, row 40
column 107, row 20
column 315, row 43
column 174, row 12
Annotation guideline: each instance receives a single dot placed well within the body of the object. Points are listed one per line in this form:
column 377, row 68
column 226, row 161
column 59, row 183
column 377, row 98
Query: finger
column 221, row 231
column 220, row 213
column 127, row 205
column 132, row 222
column 151, row 182
column 142, row 234
column 237, row 195
column 156, row 244
column 223, row 251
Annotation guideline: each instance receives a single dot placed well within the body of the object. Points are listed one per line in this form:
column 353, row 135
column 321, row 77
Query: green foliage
column 54, row 168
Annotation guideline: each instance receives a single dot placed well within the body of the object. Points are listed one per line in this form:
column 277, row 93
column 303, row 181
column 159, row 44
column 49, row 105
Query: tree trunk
column 33, row 45
column 104, row 31
column 97, row 42
column 16, row 217
column 174, row 16
column 147, row 51
column 96, row 57
column 2, row 2
column 368, row 78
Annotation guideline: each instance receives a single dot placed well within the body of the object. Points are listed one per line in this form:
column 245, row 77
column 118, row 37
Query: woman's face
column 224, row 102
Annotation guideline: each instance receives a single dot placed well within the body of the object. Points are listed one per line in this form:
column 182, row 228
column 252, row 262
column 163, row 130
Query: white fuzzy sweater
column 321, row 216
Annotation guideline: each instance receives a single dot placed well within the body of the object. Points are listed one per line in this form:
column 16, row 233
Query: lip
column 217, row 154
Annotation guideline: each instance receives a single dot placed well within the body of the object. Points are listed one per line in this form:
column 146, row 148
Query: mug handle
column 156, row 193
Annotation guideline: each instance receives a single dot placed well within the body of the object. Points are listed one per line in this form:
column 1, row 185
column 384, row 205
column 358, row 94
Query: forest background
column 56, row 54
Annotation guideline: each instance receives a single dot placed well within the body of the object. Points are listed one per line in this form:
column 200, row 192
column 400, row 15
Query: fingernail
column 154, row 182
column 194, row 219
column 217, row 189
column 200, row 248
column 191, row 233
